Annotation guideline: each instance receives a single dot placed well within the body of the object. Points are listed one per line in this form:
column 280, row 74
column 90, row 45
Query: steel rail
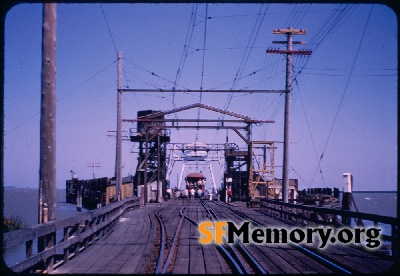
column 162, row 246
column 232, row 260
column 307, row 251
column 234, row 251
column 245, row 252
column 174, row 240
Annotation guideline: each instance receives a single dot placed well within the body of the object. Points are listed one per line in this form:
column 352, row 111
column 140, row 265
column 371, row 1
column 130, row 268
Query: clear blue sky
column 344, row 97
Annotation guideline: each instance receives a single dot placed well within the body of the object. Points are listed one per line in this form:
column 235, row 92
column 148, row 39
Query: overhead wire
column 346, row 85
column 108, row 28
column 123, row 71
column 311, row 137
column 294, row 18
column 186, row 46
column 111, row 36
column 202, row 68
column 245, row 57
column 332, row 23
column 64, row 95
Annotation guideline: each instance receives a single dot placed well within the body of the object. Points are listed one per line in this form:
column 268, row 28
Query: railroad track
column 246, row 263
column 165, row 256
column 241, row 259
column 321, row 259
column 182, row 252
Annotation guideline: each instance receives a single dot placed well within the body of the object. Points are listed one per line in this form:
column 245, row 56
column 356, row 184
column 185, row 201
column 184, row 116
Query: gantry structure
column 244, row 170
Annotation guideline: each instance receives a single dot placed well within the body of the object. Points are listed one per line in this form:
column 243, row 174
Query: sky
column 344, row 99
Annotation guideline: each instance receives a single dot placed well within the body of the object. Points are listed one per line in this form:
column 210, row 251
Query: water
column 23, row 203
column 379, row 203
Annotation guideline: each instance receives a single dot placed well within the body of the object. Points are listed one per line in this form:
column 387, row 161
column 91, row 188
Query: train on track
column 195, row 180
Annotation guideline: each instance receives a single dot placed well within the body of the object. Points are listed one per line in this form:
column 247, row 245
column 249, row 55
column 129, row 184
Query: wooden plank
column 212, row 262
column 181, row 265
column 146, row 254
column 279, row 258
column 110, row 254
column 196, row 262
column 196, row 265
column 316, row 266
column 356, row 259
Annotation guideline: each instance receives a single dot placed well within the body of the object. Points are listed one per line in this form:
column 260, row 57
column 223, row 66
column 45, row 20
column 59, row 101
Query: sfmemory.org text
column 218, row 232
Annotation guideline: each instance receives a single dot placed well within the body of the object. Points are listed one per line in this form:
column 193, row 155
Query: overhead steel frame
column 173, row 157
column 262, row 154
column 248, row 121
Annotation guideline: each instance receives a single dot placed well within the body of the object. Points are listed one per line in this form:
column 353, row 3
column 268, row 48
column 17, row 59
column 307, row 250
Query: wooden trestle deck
column 131, row 247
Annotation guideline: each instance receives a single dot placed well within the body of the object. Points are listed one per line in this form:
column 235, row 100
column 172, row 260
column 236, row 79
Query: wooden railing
column 79, row 232
column 308, row 215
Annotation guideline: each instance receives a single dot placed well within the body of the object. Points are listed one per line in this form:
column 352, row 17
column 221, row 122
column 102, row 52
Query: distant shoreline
column 13, row 187
column 374, row 191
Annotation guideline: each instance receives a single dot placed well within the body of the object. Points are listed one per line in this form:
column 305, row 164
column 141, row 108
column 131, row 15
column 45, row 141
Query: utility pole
column 94, row 165
column 47, row 167
column 118, row 155
column 288, row 52
column 47, row 170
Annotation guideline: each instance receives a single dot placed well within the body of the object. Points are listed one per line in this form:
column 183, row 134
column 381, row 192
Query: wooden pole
column 47, row 167
column 285, row 168
column 289, row 52
column 118, row 156
column 47, row 170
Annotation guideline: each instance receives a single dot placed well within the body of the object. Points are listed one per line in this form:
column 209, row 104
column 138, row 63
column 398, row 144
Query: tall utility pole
column 289, row 52
column 94, row 165
column 47, row 170
column 118, row 155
